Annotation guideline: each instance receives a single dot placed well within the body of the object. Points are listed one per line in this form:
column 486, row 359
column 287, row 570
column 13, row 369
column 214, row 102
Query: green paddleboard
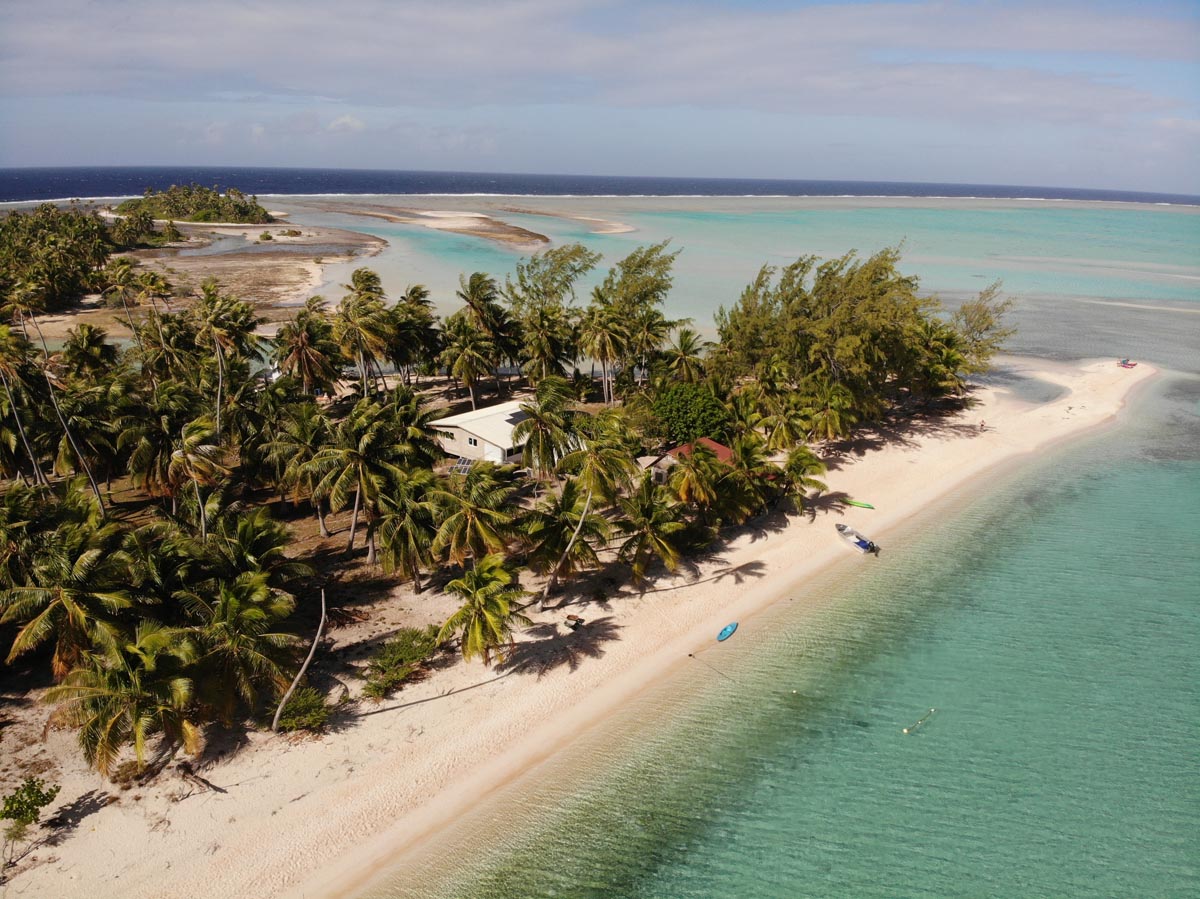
column 854, row 502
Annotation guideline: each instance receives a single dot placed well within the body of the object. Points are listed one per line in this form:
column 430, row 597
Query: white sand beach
column 317, row 816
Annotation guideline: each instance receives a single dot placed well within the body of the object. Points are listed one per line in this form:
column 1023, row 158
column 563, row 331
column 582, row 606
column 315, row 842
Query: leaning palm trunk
column 220, row 382
column 39, row 476
column 299, row 674
column 354, row 518
column 200, row 512
column 554, row 572
column 87, row 469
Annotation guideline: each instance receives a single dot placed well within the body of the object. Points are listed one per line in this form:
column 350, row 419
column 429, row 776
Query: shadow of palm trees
column 553, row 648
column 66, row 820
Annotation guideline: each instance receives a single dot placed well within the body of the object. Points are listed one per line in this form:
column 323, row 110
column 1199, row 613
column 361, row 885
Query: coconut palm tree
column 684, row 357
column 800, row 471
column 651, row 522
column 749, row 478
column 240, row 653
column 475, row 519
column 563, row 533
column 149, row 436
column 695, row 479
column 78, row 586
column 548, row 333
column 87, row 352
column 468, row 353
column 486, row 618
column 305, row 348
column 408, row 524
column 362, row 324
column 829, row 408
column 134, row 688
column 365, row 456
column 302, row 432
column 546, row 429
column 604, row 336
column 412, row 421
column 227, row 325
column 197, row 458
column 14, row 362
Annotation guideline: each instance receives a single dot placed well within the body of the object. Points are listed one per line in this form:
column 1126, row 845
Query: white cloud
column 345, row 123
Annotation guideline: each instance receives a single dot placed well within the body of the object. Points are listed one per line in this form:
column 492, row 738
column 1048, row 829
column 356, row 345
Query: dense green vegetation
column 193, row 203
column 51, row 255
column 178, row 607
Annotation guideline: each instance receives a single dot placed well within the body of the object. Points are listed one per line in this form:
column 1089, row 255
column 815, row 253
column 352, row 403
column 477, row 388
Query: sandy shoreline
column 323, row 815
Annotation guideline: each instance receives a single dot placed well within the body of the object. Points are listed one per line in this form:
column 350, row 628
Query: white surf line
column 1140, row 306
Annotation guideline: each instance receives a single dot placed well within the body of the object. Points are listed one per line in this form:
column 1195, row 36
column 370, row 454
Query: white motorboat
column 856, row 540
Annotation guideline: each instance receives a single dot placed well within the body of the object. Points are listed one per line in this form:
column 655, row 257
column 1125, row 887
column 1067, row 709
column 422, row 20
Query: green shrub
column 305, row 710
column 291, row 232
column 266, row 235
column 398, row 659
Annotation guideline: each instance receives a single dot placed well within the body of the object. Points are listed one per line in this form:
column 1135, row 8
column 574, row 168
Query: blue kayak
column 727, row 631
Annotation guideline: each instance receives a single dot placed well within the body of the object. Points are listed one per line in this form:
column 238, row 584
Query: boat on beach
column 856, row 540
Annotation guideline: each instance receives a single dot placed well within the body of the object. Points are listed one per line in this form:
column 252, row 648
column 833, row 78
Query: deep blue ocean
column 24, row 184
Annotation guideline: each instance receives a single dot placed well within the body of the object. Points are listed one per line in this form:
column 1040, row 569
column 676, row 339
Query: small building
column 661, row 465
column 485, row 434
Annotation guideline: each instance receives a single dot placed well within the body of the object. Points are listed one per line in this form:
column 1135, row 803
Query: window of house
column 471, row 441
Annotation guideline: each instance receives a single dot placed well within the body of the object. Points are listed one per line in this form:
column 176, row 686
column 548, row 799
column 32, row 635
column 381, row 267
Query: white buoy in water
column 912, row 728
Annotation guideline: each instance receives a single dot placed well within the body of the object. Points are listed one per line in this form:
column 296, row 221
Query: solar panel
column 462, row 466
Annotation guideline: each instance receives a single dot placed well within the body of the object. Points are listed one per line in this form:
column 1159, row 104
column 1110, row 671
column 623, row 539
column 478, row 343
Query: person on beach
column 982, row 424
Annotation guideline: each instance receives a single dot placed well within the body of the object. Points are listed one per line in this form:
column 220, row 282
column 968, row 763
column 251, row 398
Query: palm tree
column 416, row 340
column 149, row 436
column 563, row 534
column 133, row 689
column 14, row 360
column 786, row 424
column 303, row 431
column 652, row 523
column 475, row 520
column 604, row 336
column 197, row 459
column 486, row 618
column 305, row 348
column 547, row 332
column 468, row 353
column 407, row 524
column 412, row 421
column 77, row 587
column 251, row 541
column 121, row 282
column 87, row 352
column 227, row 324
column 240, row 653
column 800, row 470
column 366, row 456
column 546, row 429
column 828, row 406
column 749, row 478
column 685, row 356
column 694, row 478
column 362, row 325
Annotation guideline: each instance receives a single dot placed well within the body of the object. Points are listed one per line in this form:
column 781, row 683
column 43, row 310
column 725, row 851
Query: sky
column 1095, row 94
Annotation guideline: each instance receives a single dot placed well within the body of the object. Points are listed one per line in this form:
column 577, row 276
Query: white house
column 483, row 434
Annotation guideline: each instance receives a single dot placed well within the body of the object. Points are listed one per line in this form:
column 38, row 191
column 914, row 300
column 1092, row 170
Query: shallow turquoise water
column 1087, row 280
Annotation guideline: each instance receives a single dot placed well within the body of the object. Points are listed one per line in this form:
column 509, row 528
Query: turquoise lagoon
column 1050, row 616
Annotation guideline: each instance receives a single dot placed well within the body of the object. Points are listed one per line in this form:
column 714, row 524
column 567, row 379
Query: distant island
column 193, row 203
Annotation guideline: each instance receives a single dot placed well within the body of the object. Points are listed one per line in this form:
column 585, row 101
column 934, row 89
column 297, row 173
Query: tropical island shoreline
column 327, row 815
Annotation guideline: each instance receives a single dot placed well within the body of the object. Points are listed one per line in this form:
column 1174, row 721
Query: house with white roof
column 485, row 434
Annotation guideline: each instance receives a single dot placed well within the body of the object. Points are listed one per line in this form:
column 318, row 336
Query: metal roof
column 494, row 423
